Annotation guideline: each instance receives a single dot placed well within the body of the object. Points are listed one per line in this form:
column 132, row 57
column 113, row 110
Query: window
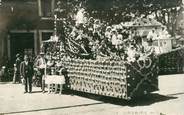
column 46, row 8
column 46, row 35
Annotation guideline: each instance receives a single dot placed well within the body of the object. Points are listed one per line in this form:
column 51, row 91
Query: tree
column 116, row 11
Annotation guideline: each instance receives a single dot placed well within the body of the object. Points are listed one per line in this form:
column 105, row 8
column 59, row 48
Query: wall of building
column 3, row 35
column 22, row 16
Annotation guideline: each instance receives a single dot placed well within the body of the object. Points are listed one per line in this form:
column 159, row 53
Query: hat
column 114, row 30
column 26, row 57
column 97, row 21
column 108, row 28
column 18, row 55
column 42, row 53
column 120, row 36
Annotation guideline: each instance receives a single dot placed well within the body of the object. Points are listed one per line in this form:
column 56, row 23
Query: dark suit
column 26, row 70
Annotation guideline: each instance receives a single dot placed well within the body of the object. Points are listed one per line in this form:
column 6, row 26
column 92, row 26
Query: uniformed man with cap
column 41, row 65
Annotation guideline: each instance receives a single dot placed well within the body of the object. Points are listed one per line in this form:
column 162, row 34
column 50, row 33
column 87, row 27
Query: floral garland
column 106, row 77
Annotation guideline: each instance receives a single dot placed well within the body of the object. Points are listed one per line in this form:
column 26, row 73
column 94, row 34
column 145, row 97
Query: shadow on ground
column 179, row 93
column 36, row 92
column 139, row 101
column 149, row 99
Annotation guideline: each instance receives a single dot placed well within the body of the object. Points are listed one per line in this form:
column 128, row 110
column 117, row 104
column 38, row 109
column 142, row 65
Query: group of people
column 25, row 70
column 98, row 39
column 90, row 38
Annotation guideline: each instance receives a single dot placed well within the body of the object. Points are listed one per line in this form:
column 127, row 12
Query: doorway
column 22, row 43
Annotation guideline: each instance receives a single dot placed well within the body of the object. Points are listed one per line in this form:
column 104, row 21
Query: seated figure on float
column 103, row 50
column 149, row 48
column 131, row 53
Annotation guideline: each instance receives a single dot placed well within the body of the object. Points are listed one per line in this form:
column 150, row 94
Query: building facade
column 24, row 24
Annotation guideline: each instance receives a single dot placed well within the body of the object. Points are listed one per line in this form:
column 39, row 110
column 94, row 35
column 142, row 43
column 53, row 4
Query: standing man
column 26, row 71
column 41, row 65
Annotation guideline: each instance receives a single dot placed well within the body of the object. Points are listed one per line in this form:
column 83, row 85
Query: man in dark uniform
column 26, row 71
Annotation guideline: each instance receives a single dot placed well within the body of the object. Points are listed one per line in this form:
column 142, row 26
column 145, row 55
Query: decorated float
column 118, row 79
column 103, row 59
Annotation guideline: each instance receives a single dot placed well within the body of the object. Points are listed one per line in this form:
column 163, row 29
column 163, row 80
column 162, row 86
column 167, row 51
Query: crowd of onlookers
column 31, row 71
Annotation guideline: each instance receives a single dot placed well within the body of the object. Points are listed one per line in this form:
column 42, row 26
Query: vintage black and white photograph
column 91, row 57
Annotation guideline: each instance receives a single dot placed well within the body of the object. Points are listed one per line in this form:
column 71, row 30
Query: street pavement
column 169, row 100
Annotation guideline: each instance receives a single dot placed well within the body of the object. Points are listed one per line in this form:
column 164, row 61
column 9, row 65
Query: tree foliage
column 116, row 11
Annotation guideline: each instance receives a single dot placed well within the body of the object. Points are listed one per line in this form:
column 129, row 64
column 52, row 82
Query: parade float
column 106, row 76
column 94, row 63
column 123, row 79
